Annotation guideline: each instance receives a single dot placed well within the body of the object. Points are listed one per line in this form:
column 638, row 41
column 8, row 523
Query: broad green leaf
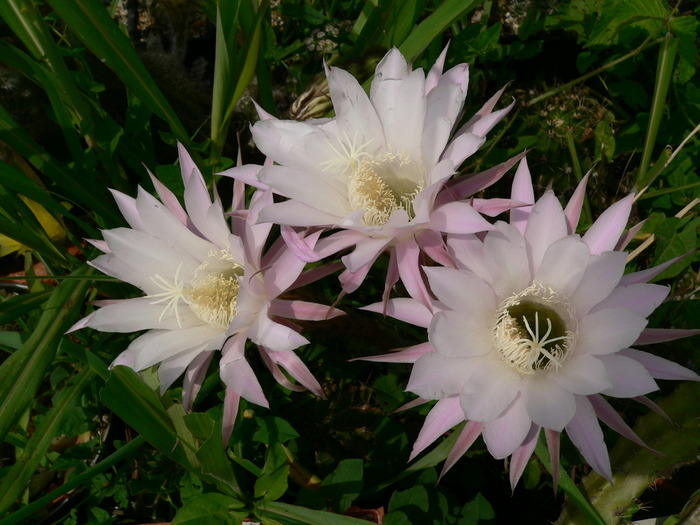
column 478, row 511
column 287, row 514
column 15, row 481
column 344, row 484
column 647, row 15
column 272, row 482
column 210, row 509
column 273, row 430
column 24, row 370
column 92, row 24
column 425, row 32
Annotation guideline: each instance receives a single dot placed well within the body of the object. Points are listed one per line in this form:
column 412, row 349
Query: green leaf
column 210, row 509
column 92, row 24
column 15, row 481
column 675, row 237
column 647, row 15
column 15, row 307
column 272, row 482
column 292, row 515
column 478, row 511
column 273, row 430
column 425, row 32
column 344, row 484
column 24, row 370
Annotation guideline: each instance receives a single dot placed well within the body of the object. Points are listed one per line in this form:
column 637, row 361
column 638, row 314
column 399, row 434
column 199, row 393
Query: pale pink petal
column 575, row 204
column 298, row 145
column 296, row 243
column 294, row 213
column 320, row 193
column 661, row 335
column 462, row 147
column 521, row 456
column 483, row 112
column 194, row 377
column 277, row 337
column 607, row 331
column 653, row 406
column 283, row 272
column 505, row 434
column 206, row 216
column 356, row 117
column 462, row 291
column 610, row 417
column 172, row 368
column 443, row 106
column 239, row 377
column 641, row 298
column 548, row 404
column 247, row 173
column 629, row 377
column 470, row 432
column 469, row 185
column 351, row 281
column 171, row 202
column 605, row 232
column 584, row 431
column 407, row 257
column 524, row 192
column 365, row 252
column 467, row 251
column 583, row 375
column 506, row 256
column 627, row 237
column 659, row 367
column 436, row 377
column 433, row 76
column 602, row 275
column 297, row 369
column 646, row 275
column 403, row 309
column 458, row 217
column 461, row 334
column 495, row 206
column 546, row 225
column 406, row 355
column 231, row 403
column 127, row 207
column 489, row 391
column 277, row 372
column 553, row 446
column 564, row 265
column 432, row 244
column 442, row 417
column 296, row 309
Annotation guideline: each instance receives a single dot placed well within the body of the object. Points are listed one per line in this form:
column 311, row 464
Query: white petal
column 460, row 334
column 641, row 298
column 461, row 290
column 548, row 404
column 489, row 391
column 320, row 193
column 563, row 265
column 583, row 375
column 607, row 331
column 545, row 225
column 505, row 434
column 629, row 377
column 436, row 377
column 294, row 213
column 140, row 313
column 506, row 255
column 443, row 105
column 605, row 232
column 602, row 275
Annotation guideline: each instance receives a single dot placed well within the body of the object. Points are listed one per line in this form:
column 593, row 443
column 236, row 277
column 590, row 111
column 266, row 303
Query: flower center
column 383, row 184
column 212, row 296
column 535, row 330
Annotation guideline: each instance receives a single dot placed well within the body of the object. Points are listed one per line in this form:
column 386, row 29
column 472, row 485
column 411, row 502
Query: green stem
column 76, row 481
column 664, row 70
column 644, row 45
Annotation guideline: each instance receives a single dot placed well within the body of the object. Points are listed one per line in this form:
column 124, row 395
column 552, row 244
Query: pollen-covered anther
column 214, row 292
column 535, row 330
column 383, row 184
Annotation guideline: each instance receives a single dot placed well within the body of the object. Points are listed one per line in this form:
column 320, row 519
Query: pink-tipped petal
column 584, row 431
column 522, row 191
column 610, row 417
column 605, row 232
column 659, row 367
column 553, row 446
column 651, row 336
column 575, row 204
column 470, row 432
column 442, row 417
column 521, row 456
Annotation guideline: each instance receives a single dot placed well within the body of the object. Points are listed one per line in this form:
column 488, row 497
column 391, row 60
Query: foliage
column 89, row 99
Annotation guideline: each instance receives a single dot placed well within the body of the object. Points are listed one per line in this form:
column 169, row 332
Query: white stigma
column 348, row 154
column 383, row 184
column 171, row 295
column 535, row 330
